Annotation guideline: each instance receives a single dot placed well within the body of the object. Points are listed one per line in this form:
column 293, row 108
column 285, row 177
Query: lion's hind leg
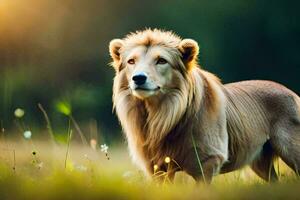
column 263, row 165
column 286, row 143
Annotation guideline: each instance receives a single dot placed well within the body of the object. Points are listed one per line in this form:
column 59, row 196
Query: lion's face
column 149, row 70
column 153, row 63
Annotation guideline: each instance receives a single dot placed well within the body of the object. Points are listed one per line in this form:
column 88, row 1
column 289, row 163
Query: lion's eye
column 161, row 61
column 131, row 61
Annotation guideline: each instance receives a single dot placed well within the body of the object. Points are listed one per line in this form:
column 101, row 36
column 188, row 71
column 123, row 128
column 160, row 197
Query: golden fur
column 244, row 123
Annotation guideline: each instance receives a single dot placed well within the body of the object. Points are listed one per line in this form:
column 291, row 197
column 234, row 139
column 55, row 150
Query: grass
column 39, row 170
column 31, row 168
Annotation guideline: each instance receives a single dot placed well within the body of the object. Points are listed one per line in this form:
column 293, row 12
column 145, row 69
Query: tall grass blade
column 49, row 127
column 278, row 169
column 68, row 143
column 83, row 139
column 198, row 158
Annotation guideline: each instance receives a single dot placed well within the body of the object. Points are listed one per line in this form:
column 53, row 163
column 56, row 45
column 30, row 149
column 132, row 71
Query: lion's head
column 153, row 61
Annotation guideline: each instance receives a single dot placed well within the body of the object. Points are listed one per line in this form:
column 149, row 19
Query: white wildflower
column 19, row 113
column 27, row 135
column 104, row 148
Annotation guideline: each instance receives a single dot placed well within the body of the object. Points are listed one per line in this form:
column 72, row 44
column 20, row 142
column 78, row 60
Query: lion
column 168, row 106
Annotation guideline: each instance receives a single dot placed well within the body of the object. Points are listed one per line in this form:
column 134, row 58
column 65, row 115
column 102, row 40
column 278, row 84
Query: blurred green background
column 53, row 51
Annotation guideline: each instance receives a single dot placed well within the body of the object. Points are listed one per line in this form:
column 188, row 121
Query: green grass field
column 38, row 170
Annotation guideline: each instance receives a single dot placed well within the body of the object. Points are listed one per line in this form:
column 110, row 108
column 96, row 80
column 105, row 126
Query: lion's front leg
column 209, row 152
column 203, row 170
column 210, row 167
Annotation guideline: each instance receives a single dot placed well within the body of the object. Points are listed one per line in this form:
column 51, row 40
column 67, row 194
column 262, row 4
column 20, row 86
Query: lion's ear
column 114, row 49
column 189, row 49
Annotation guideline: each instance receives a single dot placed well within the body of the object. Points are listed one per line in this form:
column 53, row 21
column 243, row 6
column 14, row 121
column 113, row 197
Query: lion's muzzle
column 141, row 85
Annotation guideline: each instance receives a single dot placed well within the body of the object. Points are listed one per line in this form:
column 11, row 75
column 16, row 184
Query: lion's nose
column 139, row 78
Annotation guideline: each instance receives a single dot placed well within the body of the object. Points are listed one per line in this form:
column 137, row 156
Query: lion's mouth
column 144, row 91
column 139, row 88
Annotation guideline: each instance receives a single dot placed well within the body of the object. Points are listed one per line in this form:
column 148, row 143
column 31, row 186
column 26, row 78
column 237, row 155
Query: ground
column 38, row 170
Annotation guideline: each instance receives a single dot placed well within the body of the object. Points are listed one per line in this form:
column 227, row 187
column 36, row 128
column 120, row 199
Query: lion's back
column 268, row 95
